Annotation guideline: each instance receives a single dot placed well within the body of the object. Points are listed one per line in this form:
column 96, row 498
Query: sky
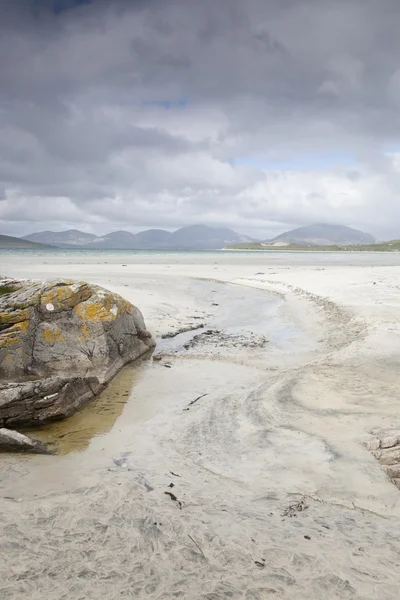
column 259, row 115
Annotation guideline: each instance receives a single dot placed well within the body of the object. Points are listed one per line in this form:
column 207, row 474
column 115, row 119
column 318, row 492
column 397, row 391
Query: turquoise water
column 98, row 252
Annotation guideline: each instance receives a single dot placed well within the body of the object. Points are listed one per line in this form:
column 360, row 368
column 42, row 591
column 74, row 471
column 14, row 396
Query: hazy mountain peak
column 325, row 234
column 71, row 237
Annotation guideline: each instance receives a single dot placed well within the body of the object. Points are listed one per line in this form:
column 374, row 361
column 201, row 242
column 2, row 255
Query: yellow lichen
column 102, row 308
column 9, row 339
column 16, row 316
column 66, row 296
column 13, row 334
column 85, row 332
column 52, row 336
column 91, row 312
column 23, row 326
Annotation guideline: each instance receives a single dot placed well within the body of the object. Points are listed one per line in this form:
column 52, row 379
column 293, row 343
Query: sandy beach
column 234, row 466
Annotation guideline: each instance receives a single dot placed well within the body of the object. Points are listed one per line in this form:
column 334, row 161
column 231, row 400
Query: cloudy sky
column 259, row 115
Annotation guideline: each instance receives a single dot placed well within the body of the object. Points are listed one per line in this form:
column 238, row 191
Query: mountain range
column 193, row 237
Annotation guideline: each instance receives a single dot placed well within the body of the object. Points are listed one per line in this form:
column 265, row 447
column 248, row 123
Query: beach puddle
column 99, row 416
column 240, row 318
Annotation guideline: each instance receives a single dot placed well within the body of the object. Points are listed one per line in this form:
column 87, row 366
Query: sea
column 297, row 257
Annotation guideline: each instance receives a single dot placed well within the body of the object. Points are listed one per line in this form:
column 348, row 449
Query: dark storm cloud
column 156, row 113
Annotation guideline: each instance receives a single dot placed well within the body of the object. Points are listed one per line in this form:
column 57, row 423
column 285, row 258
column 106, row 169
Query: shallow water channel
column 251, row 328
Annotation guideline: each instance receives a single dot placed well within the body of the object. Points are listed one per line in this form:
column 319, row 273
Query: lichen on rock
column 62, row 332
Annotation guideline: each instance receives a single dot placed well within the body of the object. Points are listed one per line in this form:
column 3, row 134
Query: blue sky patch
column 307, row 162
column 56, row 6
column 60, row 6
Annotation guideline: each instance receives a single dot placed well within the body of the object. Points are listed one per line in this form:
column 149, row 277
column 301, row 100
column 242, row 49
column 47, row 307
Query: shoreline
column 154, row 252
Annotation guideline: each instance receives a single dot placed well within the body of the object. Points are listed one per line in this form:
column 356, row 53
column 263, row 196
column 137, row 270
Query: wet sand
column 233, row 467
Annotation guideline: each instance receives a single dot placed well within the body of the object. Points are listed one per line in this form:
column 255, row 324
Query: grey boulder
column 61, row 341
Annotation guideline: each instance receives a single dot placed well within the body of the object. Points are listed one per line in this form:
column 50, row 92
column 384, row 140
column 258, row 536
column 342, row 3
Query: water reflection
column 96, row 418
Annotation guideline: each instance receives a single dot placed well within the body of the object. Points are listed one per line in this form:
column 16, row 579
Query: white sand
column 278, row 424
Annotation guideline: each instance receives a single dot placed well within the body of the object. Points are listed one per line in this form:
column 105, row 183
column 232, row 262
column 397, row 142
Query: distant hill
column 325, row 235
column 72, row 237
column 194, row 237
column 123, row 240
column 7, row 241
column 153, row 238
column 204, row 238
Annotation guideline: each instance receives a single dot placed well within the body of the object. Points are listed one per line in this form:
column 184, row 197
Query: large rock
column 60, row 342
